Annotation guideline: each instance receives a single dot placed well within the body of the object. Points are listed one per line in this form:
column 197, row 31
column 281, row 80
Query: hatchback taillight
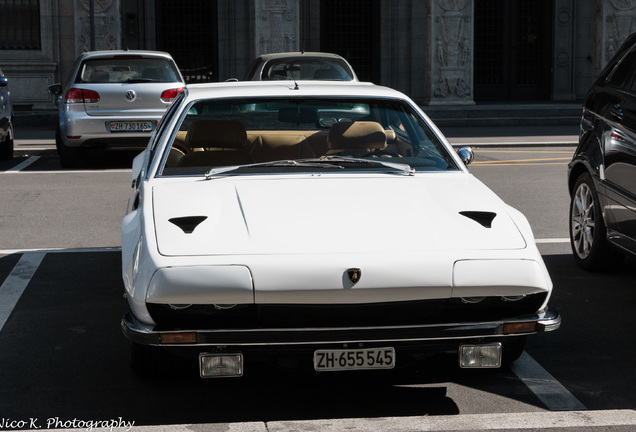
column 169, row 95
column 81, row 96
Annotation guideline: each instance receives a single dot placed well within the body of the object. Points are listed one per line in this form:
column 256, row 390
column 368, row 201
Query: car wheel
column 6, row 146
column 588, row 235
column 69, row 156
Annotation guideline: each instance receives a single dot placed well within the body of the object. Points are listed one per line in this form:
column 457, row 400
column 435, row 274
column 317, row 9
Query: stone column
column 107, row 25
column 562, row 78
column 450, row 71
column 615, row 21
column 277, row 26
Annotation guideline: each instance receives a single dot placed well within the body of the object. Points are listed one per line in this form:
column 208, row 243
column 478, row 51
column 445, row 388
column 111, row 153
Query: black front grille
column 342, row 315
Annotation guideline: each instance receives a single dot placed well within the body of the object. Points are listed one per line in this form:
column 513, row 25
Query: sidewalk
column 512, row 135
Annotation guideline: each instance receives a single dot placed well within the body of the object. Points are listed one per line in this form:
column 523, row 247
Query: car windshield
column 122, row 69
column 265, row 135
column 305, row 68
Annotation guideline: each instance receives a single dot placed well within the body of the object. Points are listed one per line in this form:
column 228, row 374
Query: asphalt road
column 63, row 360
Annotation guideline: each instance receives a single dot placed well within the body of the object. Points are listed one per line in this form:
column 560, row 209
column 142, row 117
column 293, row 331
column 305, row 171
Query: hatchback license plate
column 352, row 359
column 130, row 126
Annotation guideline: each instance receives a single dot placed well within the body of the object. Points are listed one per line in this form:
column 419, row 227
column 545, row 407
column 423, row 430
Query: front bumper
column 279, row 338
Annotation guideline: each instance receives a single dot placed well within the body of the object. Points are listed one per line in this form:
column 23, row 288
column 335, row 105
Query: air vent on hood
column 481, row 217
column 188, row 223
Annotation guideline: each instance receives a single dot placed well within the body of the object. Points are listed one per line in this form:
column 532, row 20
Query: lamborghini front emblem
column 354, row 275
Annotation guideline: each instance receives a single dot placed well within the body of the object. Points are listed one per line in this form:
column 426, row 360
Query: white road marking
column 101, row 171
column 14, row 285
column 552, row 240
column 60, row 250
column 22, row 165
column 551, row 392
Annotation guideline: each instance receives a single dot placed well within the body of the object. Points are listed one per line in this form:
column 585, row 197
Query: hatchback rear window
column 127, row 69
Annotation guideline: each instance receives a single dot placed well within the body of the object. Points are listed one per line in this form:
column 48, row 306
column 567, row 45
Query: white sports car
column 328, row 222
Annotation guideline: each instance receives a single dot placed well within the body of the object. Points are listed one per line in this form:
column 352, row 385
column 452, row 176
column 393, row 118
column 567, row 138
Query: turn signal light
column 519, row 327
column 178, row 338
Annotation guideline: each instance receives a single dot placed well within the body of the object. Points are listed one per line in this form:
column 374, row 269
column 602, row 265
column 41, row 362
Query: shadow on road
column 63, row 355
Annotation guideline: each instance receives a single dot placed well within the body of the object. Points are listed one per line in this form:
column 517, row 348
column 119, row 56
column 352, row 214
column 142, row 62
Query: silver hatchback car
column 300, row 66
column 113, row 99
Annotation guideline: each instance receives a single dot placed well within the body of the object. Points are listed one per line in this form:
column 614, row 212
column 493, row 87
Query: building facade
column 440, row 52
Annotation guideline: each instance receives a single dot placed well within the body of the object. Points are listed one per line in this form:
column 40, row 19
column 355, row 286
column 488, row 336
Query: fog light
column 220, row 365
column 480, row 356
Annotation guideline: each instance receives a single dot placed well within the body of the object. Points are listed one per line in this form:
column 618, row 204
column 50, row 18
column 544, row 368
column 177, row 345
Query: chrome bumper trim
column 144, row 334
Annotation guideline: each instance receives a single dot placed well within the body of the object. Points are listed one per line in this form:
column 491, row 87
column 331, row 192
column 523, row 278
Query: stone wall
column 426, row 46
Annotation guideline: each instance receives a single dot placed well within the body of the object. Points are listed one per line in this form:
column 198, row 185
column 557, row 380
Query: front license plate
column 352, row 359
column 130, row 126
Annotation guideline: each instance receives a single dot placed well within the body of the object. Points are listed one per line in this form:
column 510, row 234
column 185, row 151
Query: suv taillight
column 169, row 95
column 81, row 96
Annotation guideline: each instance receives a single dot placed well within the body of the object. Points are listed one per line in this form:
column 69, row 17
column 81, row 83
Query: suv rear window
column 127, row 69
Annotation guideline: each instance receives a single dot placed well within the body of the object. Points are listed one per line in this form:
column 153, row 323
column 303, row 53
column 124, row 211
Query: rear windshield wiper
column 140, row 80
column 303, row 163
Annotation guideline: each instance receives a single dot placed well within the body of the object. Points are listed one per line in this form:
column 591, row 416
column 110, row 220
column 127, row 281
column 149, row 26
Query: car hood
column 280, row 215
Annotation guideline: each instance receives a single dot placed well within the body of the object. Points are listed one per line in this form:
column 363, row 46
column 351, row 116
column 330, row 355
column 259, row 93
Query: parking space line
column 551, row 392
column 553, row 240
column 14, row 285
column 61, row 250
column 22, row 165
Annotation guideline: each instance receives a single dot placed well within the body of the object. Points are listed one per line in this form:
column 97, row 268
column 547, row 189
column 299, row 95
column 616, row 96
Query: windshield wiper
column 337, row 162
column 399, row 167
column 303, row 163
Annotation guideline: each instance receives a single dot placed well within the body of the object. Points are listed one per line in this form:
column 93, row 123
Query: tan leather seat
column 356, row 138
column 279, row 145
column 224, row 143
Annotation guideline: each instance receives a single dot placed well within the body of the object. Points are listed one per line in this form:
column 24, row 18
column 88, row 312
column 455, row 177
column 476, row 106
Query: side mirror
column 466, row 155
column 4, row 81
column 55, row 89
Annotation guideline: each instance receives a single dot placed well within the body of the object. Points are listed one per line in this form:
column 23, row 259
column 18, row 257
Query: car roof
column 299, row 54
column 289, row 88
column 111, row 53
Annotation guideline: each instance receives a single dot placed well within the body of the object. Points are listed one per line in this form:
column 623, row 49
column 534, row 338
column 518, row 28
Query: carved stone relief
column 452, row 62
column 620, row 22
column 107, row 25
column 277, row 26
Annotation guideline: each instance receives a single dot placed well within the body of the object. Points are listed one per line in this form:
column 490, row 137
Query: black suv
column 602, row 173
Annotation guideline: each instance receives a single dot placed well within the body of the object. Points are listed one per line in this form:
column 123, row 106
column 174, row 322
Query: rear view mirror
column 297, row 115
column 292, row 68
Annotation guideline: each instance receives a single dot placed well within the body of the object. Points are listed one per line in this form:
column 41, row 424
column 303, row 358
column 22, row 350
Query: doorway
column 513, row 50
column 351, row 28
column 188, row 31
